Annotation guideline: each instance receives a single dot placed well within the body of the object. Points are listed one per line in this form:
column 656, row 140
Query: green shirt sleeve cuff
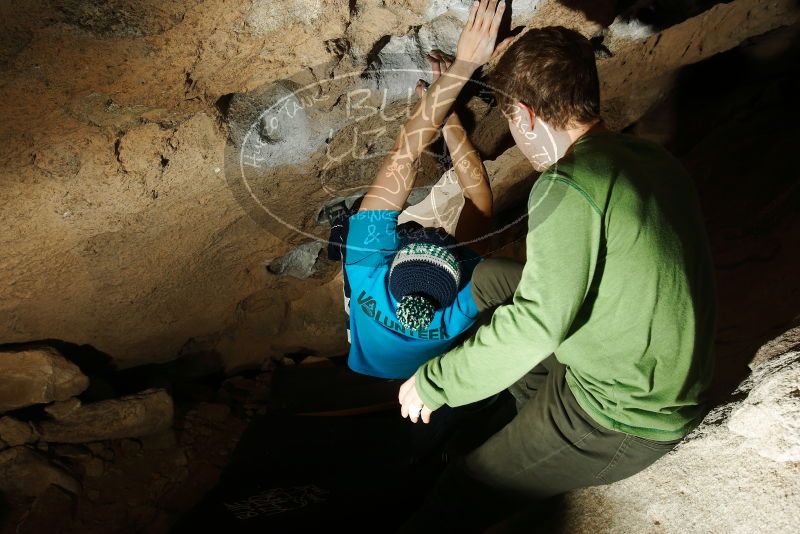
column 425, row 391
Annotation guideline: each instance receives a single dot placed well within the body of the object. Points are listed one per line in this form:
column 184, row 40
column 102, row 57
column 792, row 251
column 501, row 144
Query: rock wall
column 123, row 220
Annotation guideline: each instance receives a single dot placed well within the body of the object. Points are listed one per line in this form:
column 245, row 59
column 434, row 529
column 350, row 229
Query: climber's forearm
column 469, row 168
column 393, row 182
column 476, row 215
column 395, row 177
column 472, row 176
column 423, row 127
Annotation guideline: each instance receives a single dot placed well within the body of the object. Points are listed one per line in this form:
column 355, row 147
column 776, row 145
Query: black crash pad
column 306, row 473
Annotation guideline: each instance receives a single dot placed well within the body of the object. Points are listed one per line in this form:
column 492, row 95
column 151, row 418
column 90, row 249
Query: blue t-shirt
column 379, row 345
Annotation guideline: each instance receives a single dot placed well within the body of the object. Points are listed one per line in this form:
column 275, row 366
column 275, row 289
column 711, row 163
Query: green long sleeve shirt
column 618, row 284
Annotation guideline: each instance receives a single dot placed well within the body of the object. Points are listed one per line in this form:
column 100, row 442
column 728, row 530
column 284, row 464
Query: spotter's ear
column 527, row 110
column 518, row 111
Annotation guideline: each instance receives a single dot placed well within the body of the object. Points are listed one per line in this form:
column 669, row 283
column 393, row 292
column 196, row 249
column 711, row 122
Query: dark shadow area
column 661, row 14
column 223, row 103
column 599, row 11
column 733, row 122
column 89, row 359
column 299, row 474
column 4, row 510
column 194, row 376
column 310, row 465
column 658, row 14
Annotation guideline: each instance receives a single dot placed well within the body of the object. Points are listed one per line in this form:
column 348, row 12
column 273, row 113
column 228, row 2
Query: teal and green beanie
column 424, row 276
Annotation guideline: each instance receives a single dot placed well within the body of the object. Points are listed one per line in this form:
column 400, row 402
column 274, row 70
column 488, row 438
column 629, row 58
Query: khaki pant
column 551, row 446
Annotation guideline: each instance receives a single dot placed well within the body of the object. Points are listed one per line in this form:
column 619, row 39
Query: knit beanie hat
column 424, row 275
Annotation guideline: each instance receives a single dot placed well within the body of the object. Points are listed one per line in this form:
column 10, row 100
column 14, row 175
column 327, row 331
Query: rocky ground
column 127, row 464
column 143, row 460
column 738, row 472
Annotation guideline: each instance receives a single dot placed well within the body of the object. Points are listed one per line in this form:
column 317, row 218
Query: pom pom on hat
column 415, row 312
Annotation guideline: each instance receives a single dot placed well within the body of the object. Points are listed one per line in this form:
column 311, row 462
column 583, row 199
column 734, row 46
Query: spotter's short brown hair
column 554, row 72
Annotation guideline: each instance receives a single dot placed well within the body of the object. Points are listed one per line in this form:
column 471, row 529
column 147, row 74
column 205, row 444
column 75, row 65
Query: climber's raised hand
column 395, row 176
column 476, row 44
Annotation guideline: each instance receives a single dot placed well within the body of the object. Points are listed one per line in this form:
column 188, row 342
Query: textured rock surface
column 49, row 512
column 145, row 413
column 120, row 224
column 769, row 419
column 738, row 472
column 37, row 375
column 786, row 342
column 300, row 262
column 26, row 473
column 14, row 432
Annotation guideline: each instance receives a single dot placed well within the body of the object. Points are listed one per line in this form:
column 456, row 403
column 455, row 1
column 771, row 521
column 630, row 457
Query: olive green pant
column 549, row 447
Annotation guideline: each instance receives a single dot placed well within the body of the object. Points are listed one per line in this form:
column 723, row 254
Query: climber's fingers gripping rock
column 479, row 35
column 440, row 62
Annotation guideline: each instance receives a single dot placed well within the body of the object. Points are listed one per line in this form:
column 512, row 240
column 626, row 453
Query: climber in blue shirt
column 410, row 295
column 407, row 288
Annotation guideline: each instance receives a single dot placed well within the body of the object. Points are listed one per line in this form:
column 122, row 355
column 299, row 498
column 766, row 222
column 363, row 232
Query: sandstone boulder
column 14, row 432
column 37, row 375
column 50, row 512
column 786, row 342
column 142, row 414
column 300, row 262
column 737, row 472
column 26, row 473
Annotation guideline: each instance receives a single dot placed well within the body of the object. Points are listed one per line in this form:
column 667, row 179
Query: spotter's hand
column 411, row 404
